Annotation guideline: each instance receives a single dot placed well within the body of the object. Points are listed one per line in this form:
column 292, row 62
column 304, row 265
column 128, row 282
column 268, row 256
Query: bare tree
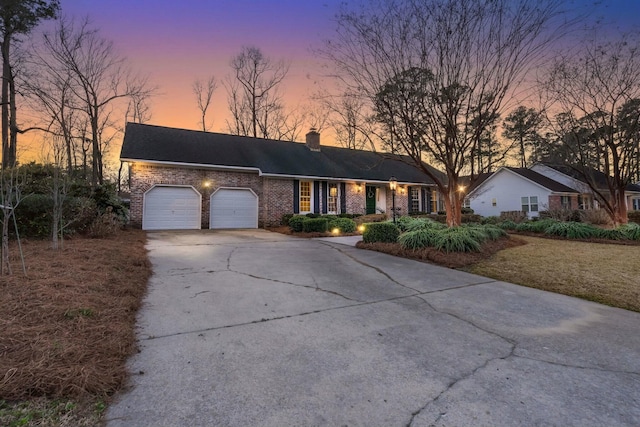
column 256, row 106
column 11, row 184
column 17, row 17
column 100, row 79
column 596, row 89
column 203, row 92
column 438, row 72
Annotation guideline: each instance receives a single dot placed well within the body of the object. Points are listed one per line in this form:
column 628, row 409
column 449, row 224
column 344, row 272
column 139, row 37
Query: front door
column 371, row 199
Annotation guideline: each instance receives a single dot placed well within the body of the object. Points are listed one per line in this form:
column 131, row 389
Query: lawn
column 67, row 329
column 605, row 273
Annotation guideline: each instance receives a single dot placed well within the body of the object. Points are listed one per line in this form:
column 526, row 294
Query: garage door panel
column 171, row 208
column 234, row 208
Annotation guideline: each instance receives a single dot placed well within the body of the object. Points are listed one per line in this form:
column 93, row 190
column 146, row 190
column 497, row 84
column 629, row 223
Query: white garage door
column 234, row 208
column 171, row 208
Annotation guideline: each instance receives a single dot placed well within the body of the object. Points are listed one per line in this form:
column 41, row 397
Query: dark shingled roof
column 168, row 145
column 546, row 182
column 599, row 178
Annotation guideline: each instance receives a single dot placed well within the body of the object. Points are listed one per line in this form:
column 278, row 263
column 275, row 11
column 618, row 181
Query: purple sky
column 177, row 41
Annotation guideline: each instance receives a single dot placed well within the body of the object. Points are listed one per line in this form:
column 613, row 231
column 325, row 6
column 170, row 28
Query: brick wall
column 143, row 177
column 275, row 196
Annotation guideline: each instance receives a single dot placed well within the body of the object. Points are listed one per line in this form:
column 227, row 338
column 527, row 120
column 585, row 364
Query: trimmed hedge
column 315, row 225
column 295, row 223
column 345, row 225
column 383, row 232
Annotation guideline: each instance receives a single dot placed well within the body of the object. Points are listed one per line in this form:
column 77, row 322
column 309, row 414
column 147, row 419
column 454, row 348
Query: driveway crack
column 378, row 270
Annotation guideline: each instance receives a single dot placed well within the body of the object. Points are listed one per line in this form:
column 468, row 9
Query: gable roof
column 530, row 175
column 599, row 178
column 542, row 180
column 181, row 147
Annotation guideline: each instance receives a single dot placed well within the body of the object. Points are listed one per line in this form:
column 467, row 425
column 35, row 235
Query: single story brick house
column 184, row 179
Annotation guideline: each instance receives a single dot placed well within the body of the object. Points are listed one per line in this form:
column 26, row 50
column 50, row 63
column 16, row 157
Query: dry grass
column 67, row 329
column 605, row 273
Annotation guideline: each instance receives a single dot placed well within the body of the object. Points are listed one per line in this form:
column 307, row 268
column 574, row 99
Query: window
column 466, row 203
column 565, row 202
column 305, row 196
column 494, row 202
column 415, row 199
column 529, row 204
column 332, row 198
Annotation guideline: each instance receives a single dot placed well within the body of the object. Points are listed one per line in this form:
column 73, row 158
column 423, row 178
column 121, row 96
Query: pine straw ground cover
column 67, row 329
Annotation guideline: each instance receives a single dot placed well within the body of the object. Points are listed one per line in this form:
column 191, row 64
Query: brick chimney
column 313, row 140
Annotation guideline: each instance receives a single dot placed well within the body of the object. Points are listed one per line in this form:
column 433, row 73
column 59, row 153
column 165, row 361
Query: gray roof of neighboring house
column 546, row 182
column 599, row 178
column 272, row 157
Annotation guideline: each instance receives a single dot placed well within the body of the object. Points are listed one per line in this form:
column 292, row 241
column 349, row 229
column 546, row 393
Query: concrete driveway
column 251, row 328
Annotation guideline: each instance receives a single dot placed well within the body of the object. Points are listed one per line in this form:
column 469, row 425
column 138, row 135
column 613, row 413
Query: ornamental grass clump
column 425, row 224
column 494, row 232
column 419, row 239
column 508, row 225
column 573, row 230
column 630, row 230
column 457, row 239
column 540, row 226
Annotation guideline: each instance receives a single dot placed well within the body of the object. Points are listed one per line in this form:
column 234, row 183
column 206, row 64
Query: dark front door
column 371, row 199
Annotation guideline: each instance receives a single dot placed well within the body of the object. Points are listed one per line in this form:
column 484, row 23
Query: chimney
column 313, row 140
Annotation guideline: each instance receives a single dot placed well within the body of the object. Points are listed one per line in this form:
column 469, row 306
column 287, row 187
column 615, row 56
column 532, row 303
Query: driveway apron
column 251, row 328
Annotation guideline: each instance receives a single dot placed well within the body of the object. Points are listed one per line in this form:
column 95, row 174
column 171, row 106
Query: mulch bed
column 67, row 328
column 450, row 260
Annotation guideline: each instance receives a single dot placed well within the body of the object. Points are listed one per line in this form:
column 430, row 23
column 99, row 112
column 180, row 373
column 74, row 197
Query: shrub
column 419, row 239
column 348, row 215
column 106, row 224
column 595, row 216
column 573, row 230
column 345, row 225
column 384, row 232
column 456, row 239
column 515, row 216
column 313, row 215
column 295, row 223
column 490, row 220
column 312, row 225
column 33, row 216
column 285, row 219
column 631, row 230
column 508, row 225
column 467, row 211
column 634, row 216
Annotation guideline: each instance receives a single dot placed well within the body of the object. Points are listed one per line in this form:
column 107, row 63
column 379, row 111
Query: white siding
column 507, row 188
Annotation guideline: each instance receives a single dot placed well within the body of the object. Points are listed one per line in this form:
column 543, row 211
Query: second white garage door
column 234, row 208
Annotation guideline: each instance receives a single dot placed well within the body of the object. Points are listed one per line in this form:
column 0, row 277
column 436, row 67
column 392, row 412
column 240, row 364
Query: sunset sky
column 175, row 42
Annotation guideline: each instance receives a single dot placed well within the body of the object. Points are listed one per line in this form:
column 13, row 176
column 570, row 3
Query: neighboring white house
column 519, row 189
column 587, row 200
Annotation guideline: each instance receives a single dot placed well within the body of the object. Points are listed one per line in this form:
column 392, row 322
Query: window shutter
column 324, row 197
column 409, row 200
column 343, row 197
column 429, row 201
column 423, row 201
column 296, row 196
column 316, row 197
